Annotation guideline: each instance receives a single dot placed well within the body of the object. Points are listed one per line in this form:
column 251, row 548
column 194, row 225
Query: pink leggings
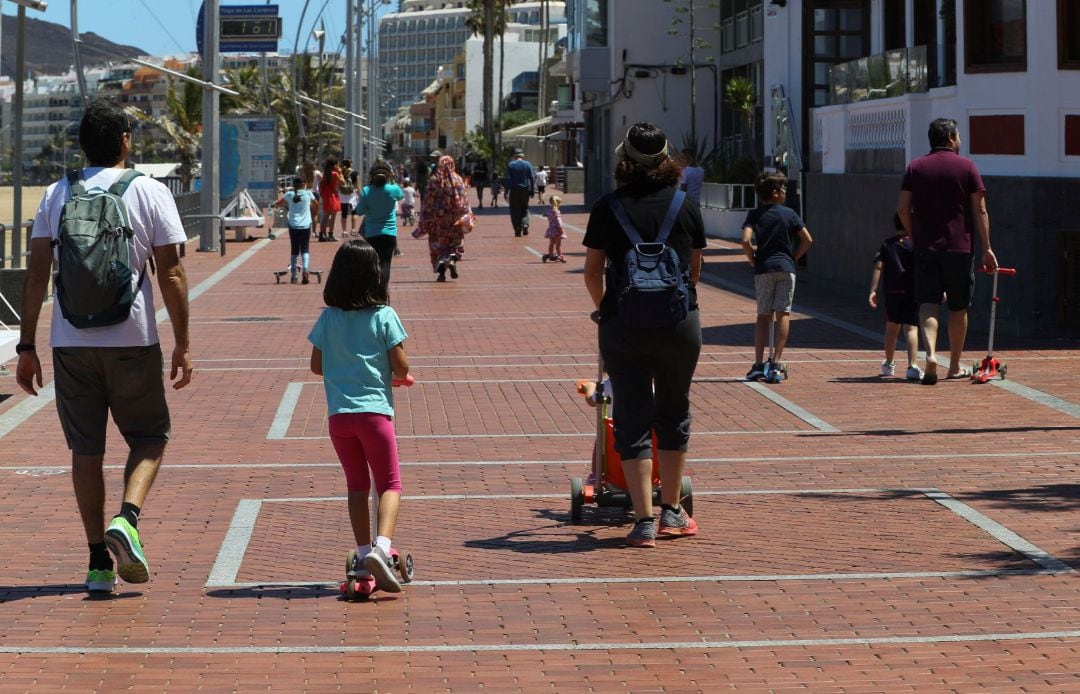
column 362, row 440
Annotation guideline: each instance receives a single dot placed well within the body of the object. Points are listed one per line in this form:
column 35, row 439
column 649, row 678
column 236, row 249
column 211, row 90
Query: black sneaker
column 756, row 372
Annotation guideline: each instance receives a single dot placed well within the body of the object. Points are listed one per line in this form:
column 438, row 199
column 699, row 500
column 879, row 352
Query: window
column 995, row 35
column 1068, row 21
column 596, row 24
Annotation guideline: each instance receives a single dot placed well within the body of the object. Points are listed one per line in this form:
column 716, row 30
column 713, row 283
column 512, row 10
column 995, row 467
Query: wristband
column 24, row 347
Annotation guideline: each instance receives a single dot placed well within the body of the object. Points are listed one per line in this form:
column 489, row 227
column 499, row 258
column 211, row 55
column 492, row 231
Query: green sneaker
column 123, row 541
column 100, row 580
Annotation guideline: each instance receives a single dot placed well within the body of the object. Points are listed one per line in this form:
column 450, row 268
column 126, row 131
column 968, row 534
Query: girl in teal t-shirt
column 303, row 207
column 358, row 349
column 378, row 203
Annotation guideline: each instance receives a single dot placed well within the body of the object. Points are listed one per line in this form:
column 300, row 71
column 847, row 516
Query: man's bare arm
column 173, row 285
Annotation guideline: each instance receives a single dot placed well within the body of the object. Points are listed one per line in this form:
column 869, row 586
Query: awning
column 527, row 129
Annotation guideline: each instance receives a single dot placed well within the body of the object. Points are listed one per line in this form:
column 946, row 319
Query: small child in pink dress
column 555, row 232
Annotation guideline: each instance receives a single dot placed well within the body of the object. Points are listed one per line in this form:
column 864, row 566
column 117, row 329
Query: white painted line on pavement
column 1040, row 397
column 535, row 252
column 233, row 547
column 559, row 434
column 280, row 426
column 223, row 272
column 901, row 458
column 408, row 649
column 22, row 411
column 772, row 395
column 722, row 578
column 998, row 531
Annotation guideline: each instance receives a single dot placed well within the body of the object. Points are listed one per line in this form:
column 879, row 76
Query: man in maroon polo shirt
column 942, row 204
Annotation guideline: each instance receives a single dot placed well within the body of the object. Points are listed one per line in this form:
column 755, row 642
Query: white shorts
column 775, row 292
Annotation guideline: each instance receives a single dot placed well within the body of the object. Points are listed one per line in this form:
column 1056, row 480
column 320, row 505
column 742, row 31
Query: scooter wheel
column 687, row 491
column 405, row 567
column 577, row 498
column 350, row 589
column 1003, row 370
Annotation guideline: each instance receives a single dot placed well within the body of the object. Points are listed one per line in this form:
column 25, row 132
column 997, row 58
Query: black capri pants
column 650, row 372
column 384, row 245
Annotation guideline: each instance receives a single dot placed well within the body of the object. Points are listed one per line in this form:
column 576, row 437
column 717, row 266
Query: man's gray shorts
column 128, row 381
column 775, row 292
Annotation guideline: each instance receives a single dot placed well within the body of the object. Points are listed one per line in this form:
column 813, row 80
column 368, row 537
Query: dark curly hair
column 101, row 131
column 647, row 139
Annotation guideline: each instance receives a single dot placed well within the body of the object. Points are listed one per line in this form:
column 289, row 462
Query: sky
column 162, row 27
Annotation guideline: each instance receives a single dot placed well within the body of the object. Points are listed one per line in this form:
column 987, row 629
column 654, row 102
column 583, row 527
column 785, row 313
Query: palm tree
column 181, row 123
column 740, row 96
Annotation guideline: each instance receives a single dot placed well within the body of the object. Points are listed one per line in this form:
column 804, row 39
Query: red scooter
column 991, row 367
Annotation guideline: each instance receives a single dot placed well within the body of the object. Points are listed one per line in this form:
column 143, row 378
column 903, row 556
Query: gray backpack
column 93, row 282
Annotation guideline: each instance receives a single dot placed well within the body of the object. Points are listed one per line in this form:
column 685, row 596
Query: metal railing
column 9, row 256
column 187, row 204
column 728, row 196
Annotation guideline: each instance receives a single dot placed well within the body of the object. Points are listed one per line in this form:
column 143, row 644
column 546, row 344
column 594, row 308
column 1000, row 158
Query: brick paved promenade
column 856, row 535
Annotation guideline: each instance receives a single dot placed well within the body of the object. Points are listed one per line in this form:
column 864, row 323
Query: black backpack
column 93, row 281
column 651, row 285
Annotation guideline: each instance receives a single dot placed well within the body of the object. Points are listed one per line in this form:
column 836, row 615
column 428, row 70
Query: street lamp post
column 320, row 36
column 16, row 159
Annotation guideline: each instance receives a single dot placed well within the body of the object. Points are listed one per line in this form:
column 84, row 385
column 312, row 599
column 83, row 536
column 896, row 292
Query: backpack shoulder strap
column 74, row 179
column 624, row 221
column 123, row 182
column 669, row 218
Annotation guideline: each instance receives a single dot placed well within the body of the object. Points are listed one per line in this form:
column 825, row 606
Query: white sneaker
column 887, row 368
column 914, row 373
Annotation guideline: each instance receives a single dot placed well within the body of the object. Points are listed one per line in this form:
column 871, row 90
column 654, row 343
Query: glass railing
column 892, row 73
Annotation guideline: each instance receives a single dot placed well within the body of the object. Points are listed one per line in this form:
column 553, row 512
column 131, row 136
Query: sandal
column 962, row 375
column 929, row 378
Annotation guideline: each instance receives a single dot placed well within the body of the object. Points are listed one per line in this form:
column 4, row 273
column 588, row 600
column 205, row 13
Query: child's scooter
column 991, row 367
column 355, row 587
column 775, row 371
column 606, row 486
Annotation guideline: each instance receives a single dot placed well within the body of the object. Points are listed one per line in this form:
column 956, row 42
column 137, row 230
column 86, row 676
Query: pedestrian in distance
column 408, row 203
column 541, row 181
column 445, row 218
column 893, row 264
column 942, row 206
column 358, row 347
column 378, row 203
column 774, row 238
column 693, row 176
column 348, row 194
column 329, row 199
column 108, row 361
column 555, row 232
column 479, row 180
column 303, row 210
column 650, row 368
column 520, row 187
column 496, row 187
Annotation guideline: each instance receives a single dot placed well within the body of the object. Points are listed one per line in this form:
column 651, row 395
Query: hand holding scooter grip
column 1001, row 270
column 406, row 382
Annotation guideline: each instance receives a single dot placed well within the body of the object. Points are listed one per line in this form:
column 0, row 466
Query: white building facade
column 624, row 65
column 425, row 34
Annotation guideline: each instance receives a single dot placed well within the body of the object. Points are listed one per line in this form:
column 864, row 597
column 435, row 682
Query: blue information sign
column 243, row 28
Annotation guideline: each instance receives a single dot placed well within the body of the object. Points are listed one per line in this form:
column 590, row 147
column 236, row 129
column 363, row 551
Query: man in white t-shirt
column 116, row 368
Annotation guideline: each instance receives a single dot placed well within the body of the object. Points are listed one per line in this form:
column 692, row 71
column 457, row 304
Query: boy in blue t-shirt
column 781, row 239
column 894, row 262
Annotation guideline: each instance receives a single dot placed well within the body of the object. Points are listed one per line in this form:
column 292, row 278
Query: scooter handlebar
column 1001, row 270
column 406, row 382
